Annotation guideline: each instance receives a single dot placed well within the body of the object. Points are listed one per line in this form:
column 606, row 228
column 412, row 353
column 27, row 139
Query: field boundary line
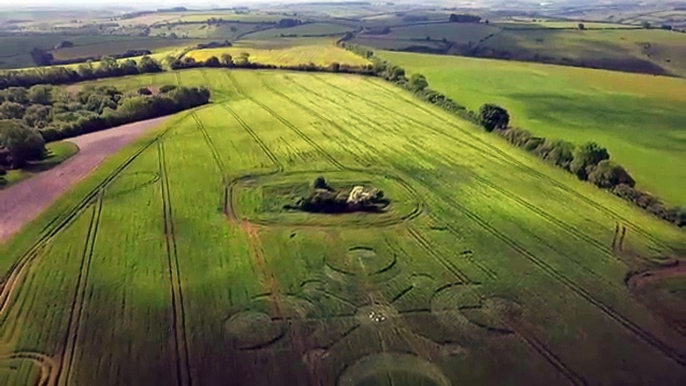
column 179, row 318
column 522, row 166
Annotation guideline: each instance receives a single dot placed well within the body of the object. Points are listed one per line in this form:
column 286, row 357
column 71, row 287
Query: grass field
column 229, row 31
column 121, row 46
column 15, row 51
column 454, row 32
column 286, row 52
column 305, row 30
column 639, row 118
column 640, row 50
column 58, row 152
column 488, row 265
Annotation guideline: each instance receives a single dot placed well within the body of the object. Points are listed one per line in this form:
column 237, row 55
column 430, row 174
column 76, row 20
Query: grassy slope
column 488, row 218
column 15, row 50
column 58, row 152
column 639, row 118
column 598, row 48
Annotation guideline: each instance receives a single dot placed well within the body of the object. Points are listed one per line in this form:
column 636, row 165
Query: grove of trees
column 43, row 113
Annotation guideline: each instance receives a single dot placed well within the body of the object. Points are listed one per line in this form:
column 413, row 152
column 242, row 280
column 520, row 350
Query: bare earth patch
column 23, row 202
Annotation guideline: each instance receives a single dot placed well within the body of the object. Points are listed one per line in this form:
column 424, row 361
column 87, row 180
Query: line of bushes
column 589, row 162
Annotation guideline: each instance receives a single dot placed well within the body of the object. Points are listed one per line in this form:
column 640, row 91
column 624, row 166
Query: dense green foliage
column 323, row 198
column 493, row 117
column 48, row 113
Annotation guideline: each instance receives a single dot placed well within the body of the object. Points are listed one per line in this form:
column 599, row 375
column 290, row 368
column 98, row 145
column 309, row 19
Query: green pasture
column 651, row 51
column 304, row 30
column 15, row 51
column 121, row 46
column 461, row 33
column 639, row 118
column 172, row 263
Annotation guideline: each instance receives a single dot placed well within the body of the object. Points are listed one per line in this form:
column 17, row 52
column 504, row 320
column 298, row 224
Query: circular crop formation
column 462, row 302
column 252, row 330
column 398, row 369
column 265, row 200
column 360, row 261
column 263, row 322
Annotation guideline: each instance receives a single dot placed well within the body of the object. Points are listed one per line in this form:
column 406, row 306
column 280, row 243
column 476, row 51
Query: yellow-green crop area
column 175, row 263
column 639, row 118
column 286, row 52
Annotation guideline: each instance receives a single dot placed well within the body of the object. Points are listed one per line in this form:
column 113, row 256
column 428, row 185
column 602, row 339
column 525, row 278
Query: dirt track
column 22, row 203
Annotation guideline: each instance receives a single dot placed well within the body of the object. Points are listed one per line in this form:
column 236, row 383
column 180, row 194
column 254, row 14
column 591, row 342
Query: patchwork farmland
column 484, row 267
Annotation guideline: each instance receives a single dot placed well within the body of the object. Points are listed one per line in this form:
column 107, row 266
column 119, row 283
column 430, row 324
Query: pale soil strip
column 22, row 203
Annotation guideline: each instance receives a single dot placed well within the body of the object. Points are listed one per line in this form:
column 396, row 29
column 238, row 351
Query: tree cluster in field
column 108, row 67
column 455, row 18
column 31, row 117
column 325, row 199
column 589, row 162
column 288, row 23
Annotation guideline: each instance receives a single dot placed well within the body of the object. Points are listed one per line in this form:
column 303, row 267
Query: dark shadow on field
column 554, row 46
column 135, row 347
column 654, row 122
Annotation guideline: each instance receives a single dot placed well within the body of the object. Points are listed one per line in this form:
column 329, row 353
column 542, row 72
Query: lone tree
column 227, row 60
column 493, row 117
column 582, row 26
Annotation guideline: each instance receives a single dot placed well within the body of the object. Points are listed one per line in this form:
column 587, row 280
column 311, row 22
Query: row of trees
column 589, row 162
column 31, row 117
column 106, row 68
